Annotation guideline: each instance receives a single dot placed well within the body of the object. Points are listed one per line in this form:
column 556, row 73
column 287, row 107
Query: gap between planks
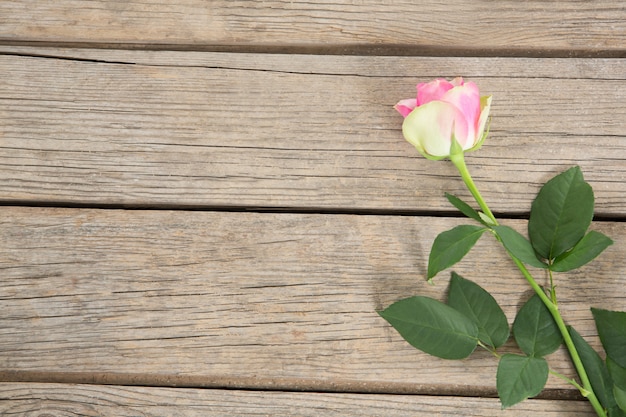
column 259, row 383
column 353, row 211
column 334, row 386
column 274, row 210
column 149, row 401
column 334, row 49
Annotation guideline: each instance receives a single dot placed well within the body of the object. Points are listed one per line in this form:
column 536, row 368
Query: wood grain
column 289, row 207
column 41, row 400
column 478, row 27
column 173, row 129
column 286, row 300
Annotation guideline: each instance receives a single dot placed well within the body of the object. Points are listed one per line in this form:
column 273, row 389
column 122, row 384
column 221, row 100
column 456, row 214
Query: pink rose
column 444, row 110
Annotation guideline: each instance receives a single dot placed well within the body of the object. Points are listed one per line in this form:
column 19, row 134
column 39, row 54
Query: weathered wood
column 309, row 132
column 89, row 400
column 286, row 300
column 246, row 305
column 481, row 26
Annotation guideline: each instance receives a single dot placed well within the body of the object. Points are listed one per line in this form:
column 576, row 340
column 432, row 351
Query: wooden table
column 204, row 204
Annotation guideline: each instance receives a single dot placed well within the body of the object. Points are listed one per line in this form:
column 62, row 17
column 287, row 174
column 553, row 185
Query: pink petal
column 466, row 98
column 434, row 90
column 404, row 107
column 463, row 133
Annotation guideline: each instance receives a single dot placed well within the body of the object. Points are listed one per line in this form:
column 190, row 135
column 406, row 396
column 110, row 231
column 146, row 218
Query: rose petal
column 458, row 81
column 434, row 90
column 485, row 104
column 404, row 107
column 429, row 128
column 466, row 98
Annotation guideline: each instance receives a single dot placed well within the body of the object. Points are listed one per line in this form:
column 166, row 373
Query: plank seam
column 273, row 210
column 276, row 71
column 348, row 49
column 252, row 209
column 335, row 386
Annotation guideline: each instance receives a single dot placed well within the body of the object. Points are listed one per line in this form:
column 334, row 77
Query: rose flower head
column 445, row 112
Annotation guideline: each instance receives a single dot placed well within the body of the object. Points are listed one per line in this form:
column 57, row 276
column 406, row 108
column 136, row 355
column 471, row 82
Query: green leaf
column 520, row 377
column 611, row 327
column 519, row 246
column 534, row 329
column 474, row 302
column 583, row 252
column 561, row 214
column 486, row 220
column 616, row 411
column 464, row 208
column 597, row 371
column 451, row 246
column 433, row 327
column 618, row 373
column 620, row 398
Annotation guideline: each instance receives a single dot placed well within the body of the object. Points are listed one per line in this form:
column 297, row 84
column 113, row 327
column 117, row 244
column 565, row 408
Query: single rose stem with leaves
column 458, row 159
column 446, row 120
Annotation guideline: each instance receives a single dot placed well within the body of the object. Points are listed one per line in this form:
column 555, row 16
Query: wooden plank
column 286, row 301
column 90, row 400
column 481, row 26
column 210, row 129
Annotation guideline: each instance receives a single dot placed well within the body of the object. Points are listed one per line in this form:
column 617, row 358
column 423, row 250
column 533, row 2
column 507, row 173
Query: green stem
column 586, row 390
column 489, row 349
column 458, row 160
column 552, row 287
column 568, row 380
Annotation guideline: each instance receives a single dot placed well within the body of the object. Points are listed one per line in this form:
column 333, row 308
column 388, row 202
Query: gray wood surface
column 173, row 129
column 204, row 203
column 481, row 26
column 287, row 300
column 87, row 400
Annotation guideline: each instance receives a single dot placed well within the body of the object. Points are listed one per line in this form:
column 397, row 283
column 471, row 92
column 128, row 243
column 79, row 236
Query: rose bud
column 445, row 111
